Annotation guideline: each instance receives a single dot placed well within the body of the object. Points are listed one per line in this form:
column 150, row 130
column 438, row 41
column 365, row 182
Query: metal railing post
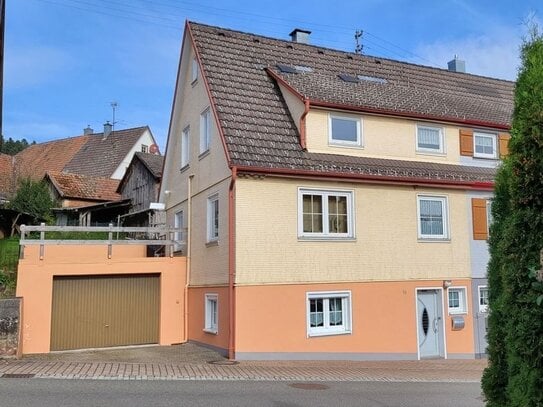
column 42, row 241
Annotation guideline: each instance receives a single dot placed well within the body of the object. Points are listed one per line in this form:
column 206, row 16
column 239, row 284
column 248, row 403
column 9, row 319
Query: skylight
column 294, row 69
column 371, row 79
column 359, row 78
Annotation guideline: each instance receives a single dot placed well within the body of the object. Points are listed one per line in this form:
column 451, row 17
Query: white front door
column 430, row 326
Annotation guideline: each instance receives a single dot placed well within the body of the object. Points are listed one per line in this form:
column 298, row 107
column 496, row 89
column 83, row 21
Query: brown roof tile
column 84, row 187
column 259, row 130
column 153, row 162
column 6, row 176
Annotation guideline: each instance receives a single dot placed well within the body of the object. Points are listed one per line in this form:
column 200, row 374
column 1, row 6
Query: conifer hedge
column 514, row 377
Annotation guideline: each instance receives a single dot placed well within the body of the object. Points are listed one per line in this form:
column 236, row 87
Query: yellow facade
column 386, row 246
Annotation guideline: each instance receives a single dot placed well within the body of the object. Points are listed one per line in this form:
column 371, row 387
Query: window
column 345, row 131
column 211, row 313
column 185, row 153
column 484, row 145
column 429, row 139
column 328, row 313
column 325, row 213
column 213, row 218
column 457, row 300
column 488, row 215
column 433, row 218
column 144, row 148
column 178, row 224
column 205, row 130
column 483, row 298
column 194, row 73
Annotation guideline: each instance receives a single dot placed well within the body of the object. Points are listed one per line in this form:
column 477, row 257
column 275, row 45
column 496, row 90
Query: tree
column 34, row 199
column 514, row 377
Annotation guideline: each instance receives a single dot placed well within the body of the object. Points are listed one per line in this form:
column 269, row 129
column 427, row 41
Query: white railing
column 148, row 236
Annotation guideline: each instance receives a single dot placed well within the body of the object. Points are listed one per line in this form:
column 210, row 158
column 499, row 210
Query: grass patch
column 9, row 257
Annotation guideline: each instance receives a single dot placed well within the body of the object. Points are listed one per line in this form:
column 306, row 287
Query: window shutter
column 504, row 144
column 478, row 210
column 466, row 142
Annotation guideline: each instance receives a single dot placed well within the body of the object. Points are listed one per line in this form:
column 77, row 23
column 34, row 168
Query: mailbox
column 457, row 323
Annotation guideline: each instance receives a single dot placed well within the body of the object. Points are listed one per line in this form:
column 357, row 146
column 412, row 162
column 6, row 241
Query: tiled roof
column 259, row 130
column 100, row 156
column 6, row 175
column 84, row 187
column 153, row 162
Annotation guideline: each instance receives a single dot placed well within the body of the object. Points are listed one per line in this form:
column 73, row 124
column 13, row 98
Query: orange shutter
column 478, row 210
column 466, row 142
column 504, row 144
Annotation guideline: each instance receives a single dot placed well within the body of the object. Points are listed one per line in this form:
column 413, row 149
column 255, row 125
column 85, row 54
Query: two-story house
column 336, row 203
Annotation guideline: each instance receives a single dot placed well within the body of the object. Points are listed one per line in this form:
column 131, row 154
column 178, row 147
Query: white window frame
column 211, row 318
column 345, row 143
column 144, row 148
column 440, row 150
column 325, row 193
column 445, row 211
column 205, row 130
column 493, row 137
column 179, row 220
column 488, row 215
column 194, row 70
column 185, row 147
column 482, row 307
column 212, row 218
column 346, row 302
column 462, row 301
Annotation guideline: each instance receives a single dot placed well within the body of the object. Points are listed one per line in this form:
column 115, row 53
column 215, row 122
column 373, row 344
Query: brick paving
column 122, row 366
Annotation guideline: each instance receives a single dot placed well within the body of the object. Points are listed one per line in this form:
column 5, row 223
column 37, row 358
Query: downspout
column 231, row 265
column 188, row 265
column 302, row 124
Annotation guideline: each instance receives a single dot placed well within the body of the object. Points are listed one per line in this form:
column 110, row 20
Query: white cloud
column 32, row 66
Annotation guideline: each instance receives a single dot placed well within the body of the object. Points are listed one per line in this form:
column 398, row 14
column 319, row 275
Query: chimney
column 457, row 65
column 88, row 130
column 107, row 129
column 299, row 35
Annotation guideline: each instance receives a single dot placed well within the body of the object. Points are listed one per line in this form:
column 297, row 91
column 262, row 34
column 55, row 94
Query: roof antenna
column 358, row 36
column 113, row 107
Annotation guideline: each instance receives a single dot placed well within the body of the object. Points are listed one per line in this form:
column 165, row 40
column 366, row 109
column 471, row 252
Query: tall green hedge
column 514, row 377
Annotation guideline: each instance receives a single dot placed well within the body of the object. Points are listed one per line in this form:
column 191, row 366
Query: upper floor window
column 345, row 131
column 185, row 156
column 484, row 145
column 194, row 70
column 457, row 300
column 144, row 148
column 325, row 213
column 432, row 217
column 430, row 139
column 328, row 313
column 205, row 130
column 178, row 224
column 483, row 298
column 213, row 218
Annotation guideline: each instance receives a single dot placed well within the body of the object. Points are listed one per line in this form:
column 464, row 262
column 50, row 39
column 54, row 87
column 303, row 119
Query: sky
column 66, row 61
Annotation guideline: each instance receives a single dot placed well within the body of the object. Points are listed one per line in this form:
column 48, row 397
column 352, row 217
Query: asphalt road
column 113, row 393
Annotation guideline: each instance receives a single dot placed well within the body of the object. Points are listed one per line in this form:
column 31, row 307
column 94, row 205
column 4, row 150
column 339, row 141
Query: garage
column 103, row 311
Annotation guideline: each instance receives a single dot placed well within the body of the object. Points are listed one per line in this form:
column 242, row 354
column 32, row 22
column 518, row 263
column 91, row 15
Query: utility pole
column 2, row 29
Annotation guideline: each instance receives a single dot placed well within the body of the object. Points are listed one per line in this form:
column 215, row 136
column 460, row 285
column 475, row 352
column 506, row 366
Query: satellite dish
column 153, row 149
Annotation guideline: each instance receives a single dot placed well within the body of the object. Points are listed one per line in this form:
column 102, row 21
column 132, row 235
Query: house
column 72, row 164
column 336, row 203
column 140, row 185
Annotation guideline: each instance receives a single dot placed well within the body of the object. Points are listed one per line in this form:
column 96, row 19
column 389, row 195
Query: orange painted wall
column 196, row 316
column 35, row 285
column 273, row 319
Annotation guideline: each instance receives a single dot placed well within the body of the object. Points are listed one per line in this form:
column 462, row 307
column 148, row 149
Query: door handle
column 436, row 325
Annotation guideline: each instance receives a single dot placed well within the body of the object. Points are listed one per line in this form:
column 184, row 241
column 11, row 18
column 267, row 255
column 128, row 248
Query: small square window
column 430, row 139
column 194, row 73
column 211, row 313
column 144, row 148
column 185, row 149
column 484, row 145
column 345, row 131
column 432, row 217
column 328, row 313
column 483, row 298
column 213, row 218
column 205, row 131
column 457, row 300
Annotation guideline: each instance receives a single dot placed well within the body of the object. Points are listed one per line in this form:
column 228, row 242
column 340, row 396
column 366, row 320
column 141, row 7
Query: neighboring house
column 337, row 203
column 140, row 185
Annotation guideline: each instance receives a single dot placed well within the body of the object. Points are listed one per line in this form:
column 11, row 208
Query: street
column 157, row 393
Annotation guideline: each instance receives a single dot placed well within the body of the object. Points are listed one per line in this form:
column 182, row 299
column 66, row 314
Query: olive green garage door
column 102, row 311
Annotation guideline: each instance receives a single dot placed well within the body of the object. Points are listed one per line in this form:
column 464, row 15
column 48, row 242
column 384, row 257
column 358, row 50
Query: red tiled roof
column 84, row 187
column 6, row 175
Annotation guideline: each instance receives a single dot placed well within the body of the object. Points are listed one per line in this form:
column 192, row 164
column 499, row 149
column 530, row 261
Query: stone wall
column 10, row 312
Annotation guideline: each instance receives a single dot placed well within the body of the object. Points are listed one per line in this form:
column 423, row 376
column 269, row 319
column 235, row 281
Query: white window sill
column 328, row 333
column 326, row 239
column 340, row 145
column 184, row 168
column 212, row 243
column 485, row 157
column 434, row 239
column 431, row 153
column 211, row 331
column 458, row 312
column 204, row 154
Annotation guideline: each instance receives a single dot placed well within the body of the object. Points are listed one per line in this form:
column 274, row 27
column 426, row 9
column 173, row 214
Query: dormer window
column 144, row 148
column 345, row 131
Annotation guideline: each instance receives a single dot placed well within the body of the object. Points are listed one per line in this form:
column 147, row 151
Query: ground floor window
column 483, row 298
column 328, row 313
column 211, row 313
column 457, row 300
